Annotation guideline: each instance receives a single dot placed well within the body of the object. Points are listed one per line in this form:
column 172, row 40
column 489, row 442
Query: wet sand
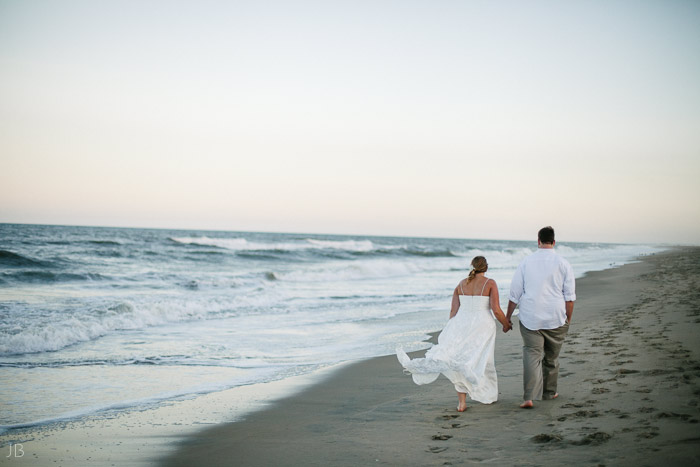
column 629, row 385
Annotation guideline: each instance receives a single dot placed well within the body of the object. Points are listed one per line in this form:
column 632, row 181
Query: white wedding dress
column 464, row 352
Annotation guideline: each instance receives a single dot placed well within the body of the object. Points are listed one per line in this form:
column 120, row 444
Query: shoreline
column 141, row 436
column 629, row 385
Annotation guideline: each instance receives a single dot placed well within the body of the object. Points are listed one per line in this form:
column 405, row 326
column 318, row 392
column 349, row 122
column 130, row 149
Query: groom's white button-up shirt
column 541, row 284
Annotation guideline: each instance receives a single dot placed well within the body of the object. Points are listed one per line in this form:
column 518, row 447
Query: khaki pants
column 541, row 361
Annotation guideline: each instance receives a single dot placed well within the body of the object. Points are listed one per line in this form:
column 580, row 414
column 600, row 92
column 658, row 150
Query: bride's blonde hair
column 479, row 265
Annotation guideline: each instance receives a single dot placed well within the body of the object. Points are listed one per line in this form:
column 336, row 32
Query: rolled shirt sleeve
column 569, row 284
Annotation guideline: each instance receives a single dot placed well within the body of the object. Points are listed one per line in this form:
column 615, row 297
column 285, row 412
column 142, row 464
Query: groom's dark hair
column 546, row 235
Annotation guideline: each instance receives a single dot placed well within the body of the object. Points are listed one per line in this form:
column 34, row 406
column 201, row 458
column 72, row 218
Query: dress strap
column 460, row 289
column 482, row 289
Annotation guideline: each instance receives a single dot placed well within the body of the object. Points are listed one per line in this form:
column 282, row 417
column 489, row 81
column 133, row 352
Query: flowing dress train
column 464, row 352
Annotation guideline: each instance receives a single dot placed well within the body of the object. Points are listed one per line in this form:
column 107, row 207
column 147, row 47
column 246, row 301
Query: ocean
column 101, row 320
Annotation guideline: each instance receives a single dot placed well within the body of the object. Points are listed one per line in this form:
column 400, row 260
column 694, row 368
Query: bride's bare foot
column 462, row 406
column 527, row 405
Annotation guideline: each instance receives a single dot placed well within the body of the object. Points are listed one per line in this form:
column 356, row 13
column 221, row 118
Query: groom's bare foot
column 527, row 405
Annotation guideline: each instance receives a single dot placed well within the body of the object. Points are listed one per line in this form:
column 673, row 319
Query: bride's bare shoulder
column 461, row 285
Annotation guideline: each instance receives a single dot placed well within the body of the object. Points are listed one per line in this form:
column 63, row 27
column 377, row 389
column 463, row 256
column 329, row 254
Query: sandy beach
column 629, row 386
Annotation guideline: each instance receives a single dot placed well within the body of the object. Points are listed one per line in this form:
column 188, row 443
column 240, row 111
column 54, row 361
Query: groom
column 543, row 288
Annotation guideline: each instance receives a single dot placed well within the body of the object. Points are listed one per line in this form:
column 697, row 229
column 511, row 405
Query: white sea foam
column 241, row 244
column 237, row 244
column 500, row 258
column 58, row 331
column 357, row 270
column 348, row 245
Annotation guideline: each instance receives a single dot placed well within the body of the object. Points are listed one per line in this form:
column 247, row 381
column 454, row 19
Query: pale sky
column 471, row 119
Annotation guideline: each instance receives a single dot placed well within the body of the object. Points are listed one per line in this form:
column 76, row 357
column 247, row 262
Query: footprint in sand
column 601, row 381
column 600, row 390
column 683, row 416
column 599, row 437
column 441, row 437
column 619, row 413
column 619, row 363
column 581, row 414
column 546, row 438
column 453, row 426
column 436, row 449
column 448, row 417
column 578, row 405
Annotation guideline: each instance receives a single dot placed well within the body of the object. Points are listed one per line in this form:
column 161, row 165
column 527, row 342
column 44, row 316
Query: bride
column 464, row 352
